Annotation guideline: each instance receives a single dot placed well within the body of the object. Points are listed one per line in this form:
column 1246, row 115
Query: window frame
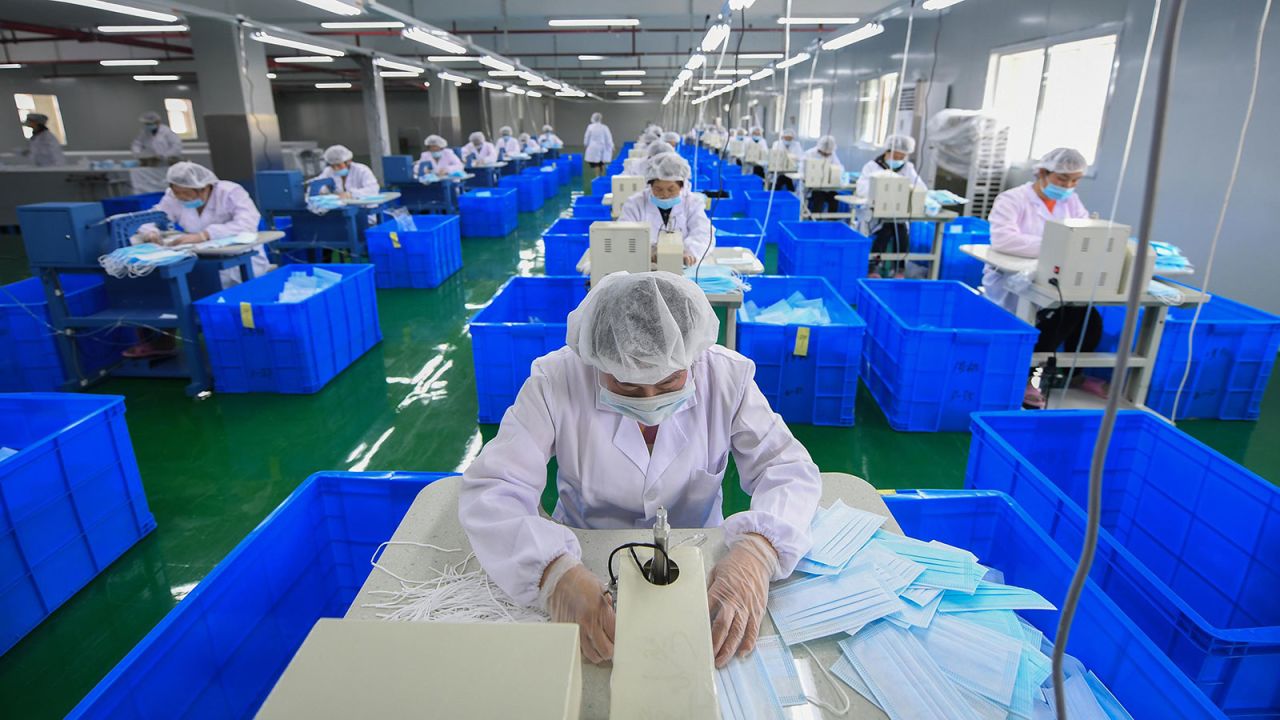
column 56, row 124
column 194, row 134
column 809, row 114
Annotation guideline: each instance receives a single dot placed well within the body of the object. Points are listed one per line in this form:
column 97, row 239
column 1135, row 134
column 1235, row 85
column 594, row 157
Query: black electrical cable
column 613, row 577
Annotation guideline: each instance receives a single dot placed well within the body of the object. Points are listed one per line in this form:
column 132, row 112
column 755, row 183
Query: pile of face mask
column 139, row 260
column 246, row 238
column 301, row 286
column 716, row 279
column 946, row 197
column 323, row 203
column 1169, row 257
column 794, row 310
column 6, row 453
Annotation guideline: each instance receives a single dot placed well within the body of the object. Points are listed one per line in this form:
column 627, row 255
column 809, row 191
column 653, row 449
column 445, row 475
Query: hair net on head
column 671, row 138
column 789, row 133
column 827, row 144
column 37, row 118
column 337, row 154
column 900, row 143
column 596, row 117
column 504, row 130
column 150, row 116
column 547, row 128
column 476, row 136
column 190, row 175
column 524, row 136
column 641, row 328
column 667, row 166
column 658, row 147
column 435, row 141
column 648, row 137
column 757, row 129
column 1060, row 160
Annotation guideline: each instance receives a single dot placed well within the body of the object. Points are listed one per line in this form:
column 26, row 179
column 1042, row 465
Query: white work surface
column 264, row 237
column 372, row 200
column 433, row 519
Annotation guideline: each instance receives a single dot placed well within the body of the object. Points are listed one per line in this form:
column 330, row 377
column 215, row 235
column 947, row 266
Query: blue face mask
column 193, row 204
column 895, row 164
column 437, row 154
column 343, row 172
column 153, row 128
column 665, row 203
column 1057, row 192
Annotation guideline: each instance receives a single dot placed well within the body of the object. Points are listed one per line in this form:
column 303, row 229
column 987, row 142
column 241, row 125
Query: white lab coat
column 793, row 148
column 689, row 218
column 487, row 154
column 550, row 140
column 229, row 211
column 531, row 147
column 1017, row 226
column 360, row 181
column 447, row 163
column 873, row 167
column 165, row 143
column 607, row 477
column 45, row 150
column 509, row 145
column 598, row 140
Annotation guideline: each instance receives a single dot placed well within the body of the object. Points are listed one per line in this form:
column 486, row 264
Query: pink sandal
column 1032, row 399
column 1095, row 386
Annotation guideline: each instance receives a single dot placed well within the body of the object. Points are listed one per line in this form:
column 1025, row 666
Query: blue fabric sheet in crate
column 29, row 358
column 420, row 258
column 492, row 212
column 831, row 250
column 529, row 192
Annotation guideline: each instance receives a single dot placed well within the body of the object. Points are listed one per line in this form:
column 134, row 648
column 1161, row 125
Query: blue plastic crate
column 257, row 344
column 529, row 193
column 525, row 320
column 737, row 232
column 937, row 351
column 564, row 243
column 71, row 501
column 130, row 203
column 1190, row 541
column 728, row 204
column 831, row 250
column 593, row 212
column 602, row 185
column 575, row 164
column 1001, row 534
column 814, row 381
column 550, row 178
column 29, row 359
column 421, row 258
column 564, row 168
column 398, row 169
column 491, row 212
column 785, row 208
column 220, row 651
column 743, row 183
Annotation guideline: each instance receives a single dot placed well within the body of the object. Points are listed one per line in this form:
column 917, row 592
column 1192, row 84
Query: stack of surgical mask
column 139, row 260
column 245, row 238
column 946, row 197
column 1169, row 258
column 794, row 310
column 6, row 453
column 715, row 279
column 323, row 203
column 301, row 286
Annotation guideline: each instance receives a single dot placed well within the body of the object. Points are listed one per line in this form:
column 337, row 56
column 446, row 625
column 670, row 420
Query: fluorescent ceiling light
column 452, row 58
column 534, row 94
column 271, row 76
column 622, row 72
column 585, row 58
column 295, row 44
column 156, row 78
column 737, row 5
column 600, row 22
column 623, row 82
column 393, row 65
column 304, row 59
column 514, row 90
column 818, row 20
column 127, row 63
column 741, row 83
column 363, row 25
column 731, row 71
column 566, row 93
column 426, row 84
column 333, row 86
column 762, row 74
column 528, row 77
column 399, row 74
column 122, row 9
column 491, row 85
column 714, row 82
column 503, row 73
column 761, row 56
column 419, row 35
column 118, row 29
column 337, row 7
column 849, row 38
column 793, row 60
column 496, row 64
column 684, row 74
column 461, row 79
column 630, row 93
column 696, row 61
column 939, row 4
column 715, row 37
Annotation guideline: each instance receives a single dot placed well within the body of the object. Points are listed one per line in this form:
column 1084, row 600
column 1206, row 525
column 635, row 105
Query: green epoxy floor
column 214, row 468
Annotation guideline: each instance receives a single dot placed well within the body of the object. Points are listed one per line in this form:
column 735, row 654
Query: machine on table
column 823, row 176
column 622, row 188
column 1085, row 261
column 282, row 193
column 422, row 192
column 893, row 198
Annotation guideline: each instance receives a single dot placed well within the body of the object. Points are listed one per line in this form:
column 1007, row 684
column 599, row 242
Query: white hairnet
column 337, row 154
column 596, row 117
column 789, row 133
column 547, row 128
column 641, row 328
column 671, row 138
column 504, row 130
column 658, row 147
column 190, row 175
column 648, row 137
column 37, row 118
column 900, row 143
column 1060, row 160
column 827, row 144
column 149, row 116
column 477, row 135
column 436, row 141
column 667, row 166
column 757, row 129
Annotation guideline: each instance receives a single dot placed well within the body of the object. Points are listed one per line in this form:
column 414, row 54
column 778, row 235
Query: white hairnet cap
column 757, row 129
column 596, row 117
column 641, row 328
column 658, row 147
column 150, row 116
column 547, row 128
column 435, row 141
column 900, row 143
column 477, row 135
column 827, row 144
column 190, row 175
column 649, row 137
column 37, row 118
column 671, row 138
column 337, row 154
column 504, row 130
column 788, row 132
column 667, row 166
column 1061, row 160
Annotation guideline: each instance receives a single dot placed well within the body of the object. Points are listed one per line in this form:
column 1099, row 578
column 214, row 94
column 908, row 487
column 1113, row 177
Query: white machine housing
column 618, row 246
column 737, row 147
column 1087, row 258
column 821, row 174
column 918, row 197
column 781, row 161
column 624, row 186
column 637, row 154
column 755, row 154
column 670, row 252
column 890, row 196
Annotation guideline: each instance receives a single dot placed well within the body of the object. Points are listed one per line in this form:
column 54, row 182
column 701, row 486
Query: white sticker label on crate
column 246, row 315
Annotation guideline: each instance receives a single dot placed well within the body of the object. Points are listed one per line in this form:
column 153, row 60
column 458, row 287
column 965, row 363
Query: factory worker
column 156, row 143
column 648, row 138
column 1017, row 225
column 548, row 139
column 756, row 137
column 823, row 200
column 640, row 410
column 787, row 143
column 43, row 147
column 507, row 144
column 671, row 138
column 598, row 141
column 668, row 204
column 888, row 237
column 479, row 151
column 639, row 166
column 528, row 145
column 437, row 158
column 350, row 178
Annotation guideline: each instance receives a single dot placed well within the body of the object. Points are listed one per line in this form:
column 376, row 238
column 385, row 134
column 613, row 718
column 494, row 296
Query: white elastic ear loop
column 830, row 681
column 377, row 552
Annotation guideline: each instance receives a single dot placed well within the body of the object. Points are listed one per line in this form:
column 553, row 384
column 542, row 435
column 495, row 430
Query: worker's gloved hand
column 689, row 260
column 188, row 239
column 737, row 596
column 149, row 235
column 571, row 593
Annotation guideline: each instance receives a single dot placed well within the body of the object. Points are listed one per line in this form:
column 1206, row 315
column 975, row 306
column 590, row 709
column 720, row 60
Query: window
column 1052, row 96
column 182, row 117
column 779, row 114
column 44, row 104
column 875, row 107
column 811, row 112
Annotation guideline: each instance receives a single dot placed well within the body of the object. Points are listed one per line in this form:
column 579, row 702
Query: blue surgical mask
column 193, row 204
column 153, row 128
column 1057, row 192
column 665, row 203
column 343, row 172
column 648, row 411
column 895, row 164
column 437, row 154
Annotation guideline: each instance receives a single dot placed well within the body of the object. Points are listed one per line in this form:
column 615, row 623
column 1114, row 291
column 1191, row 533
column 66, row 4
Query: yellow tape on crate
column 802, row 342
column 246, row 315
column 395, row 240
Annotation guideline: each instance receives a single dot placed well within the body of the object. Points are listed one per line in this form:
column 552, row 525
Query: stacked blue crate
column 491, row 212
column 529, row 192
column 420, row 258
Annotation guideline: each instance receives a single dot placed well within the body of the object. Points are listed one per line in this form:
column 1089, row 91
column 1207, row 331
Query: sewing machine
column 624, row 186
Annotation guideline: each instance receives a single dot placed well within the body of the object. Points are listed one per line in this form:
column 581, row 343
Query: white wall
column 626, row 120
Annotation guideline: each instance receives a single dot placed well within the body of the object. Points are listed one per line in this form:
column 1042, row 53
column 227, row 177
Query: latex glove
column 149, row 235
column 689, row 260
column 737, row 594
column 344, row 195
column 571, row 593
column 189, row 239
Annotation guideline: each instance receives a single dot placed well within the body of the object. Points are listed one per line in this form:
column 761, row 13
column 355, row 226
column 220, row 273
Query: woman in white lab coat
column 787, row 143
column 156, row 143
column 638, row 166
column 350, row 178
column 1017, row 226
column 43, row 147
column 598, row 140
column 888, row 237
column 479, row 151
column 529, row 146
column 549, row 140
column 506, row 143
column 668, row 204
column 437, row 158
column 823, row 201
column 641, row 410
